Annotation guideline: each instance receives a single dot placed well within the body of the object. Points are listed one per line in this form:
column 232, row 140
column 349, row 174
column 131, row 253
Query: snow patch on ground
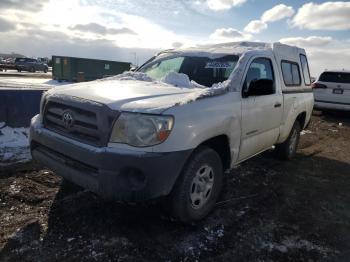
column 304, row 132
column 14, row 145
column 28, row 82
column 295, row 243
column 193, row 245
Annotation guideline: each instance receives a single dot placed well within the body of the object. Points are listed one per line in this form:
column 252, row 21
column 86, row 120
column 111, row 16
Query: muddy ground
column 270, row 211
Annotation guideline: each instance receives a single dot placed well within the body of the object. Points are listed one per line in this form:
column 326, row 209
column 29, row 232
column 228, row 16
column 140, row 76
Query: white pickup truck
column 174, row 126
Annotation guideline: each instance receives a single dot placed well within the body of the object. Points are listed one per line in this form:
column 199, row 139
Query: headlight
column 141, row 130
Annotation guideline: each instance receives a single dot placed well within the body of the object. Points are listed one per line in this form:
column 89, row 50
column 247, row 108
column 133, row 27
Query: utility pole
column 135, row 58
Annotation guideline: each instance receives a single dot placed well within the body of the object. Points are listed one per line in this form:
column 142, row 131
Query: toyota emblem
column 68, row 120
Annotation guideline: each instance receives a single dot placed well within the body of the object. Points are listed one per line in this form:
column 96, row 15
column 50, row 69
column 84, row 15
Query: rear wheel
column 32, row 69
column 199, row 186
column 45, row 70
column 288, row 149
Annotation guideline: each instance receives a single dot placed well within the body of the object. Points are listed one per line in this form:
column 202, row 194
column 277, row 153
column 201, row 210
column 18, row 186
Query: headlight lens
column 141, row 130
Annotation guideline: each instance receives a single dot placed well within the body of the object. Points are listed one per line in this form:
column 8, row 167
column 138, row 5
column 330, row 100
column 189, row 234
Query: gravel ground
column 270, row 211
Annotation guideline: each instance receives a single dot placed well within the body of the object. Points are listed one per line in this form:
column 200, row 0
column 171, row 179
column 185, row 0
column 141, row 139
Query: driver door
column 261, row 111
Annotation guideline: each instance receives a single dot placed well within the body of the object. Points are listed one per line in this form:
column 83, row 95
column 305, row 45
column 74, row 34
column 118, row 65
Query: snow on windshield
column 203, row 70
column 185, row 71
column 172, row 78
column 131, row 76
column 180, row 80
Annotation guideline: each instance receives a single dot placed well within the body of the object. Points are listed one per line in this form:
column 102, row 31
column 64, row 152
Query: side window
column 291, row 73
column 170, row 65
column 305, row 68
column 260, row 77
column 335, row 77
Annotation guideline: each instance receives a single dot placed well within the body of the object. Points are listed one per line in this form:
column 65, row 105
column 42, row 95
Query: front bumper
column 123, row 175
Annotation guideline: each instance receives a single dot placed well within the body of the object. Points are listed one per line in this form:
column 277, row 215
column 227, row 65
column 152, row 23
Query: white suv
column 332, row 90
column 173, row 127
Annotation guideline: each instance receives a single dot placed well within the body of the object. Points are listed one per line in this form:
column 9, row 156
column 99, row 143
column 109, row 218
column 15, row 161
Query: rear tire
column 288, row 149
column 199, row 186
column 32, row 69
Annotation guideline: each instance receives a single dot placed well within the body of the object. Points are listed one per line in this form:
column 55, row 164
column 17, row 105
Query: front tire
column 288, row 149
column 199, row 186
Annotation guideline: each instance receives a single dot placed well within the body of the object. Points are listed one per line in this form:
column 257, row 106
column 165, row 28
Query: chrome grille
column 81, row 120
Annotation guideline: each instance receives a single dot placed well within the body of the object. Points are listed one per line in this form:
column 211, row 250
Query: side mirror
column 260, row 87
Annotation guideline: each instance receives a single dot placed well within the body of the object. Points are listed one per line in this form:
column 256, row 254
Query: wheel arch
column 221, row 145
column 301, row 118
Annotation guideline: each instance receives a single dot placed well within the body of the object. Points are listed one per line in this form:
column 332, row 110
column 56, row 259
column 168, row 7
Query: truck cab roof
column 239, row 48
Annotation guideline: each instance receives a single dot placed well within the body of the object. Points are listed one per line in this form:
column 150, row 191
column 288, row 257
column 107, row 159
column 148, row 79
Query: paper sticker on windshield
column 223, row 65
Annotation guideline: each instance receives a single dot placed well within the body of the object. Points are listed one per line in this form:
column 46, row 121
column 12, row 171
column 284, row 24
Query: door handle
column 278, row 105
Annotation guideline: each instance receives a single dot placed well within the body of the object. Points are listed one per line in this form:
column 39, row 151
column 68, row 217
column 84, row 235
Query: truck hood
column 130, row 95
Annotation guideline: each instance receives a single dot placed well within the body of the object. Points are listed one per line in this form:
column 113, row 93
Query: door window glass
column 291, row 73
column 260, row 68
column 305, row 68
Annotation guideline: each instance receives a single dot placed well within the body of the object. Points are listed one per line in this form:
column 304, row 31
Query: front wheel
column 288, row 149
column 199, row 186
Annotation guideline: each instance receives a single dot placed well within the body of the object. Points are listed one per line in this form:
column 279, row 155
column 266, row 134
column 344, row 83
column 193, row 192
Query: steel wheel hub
column 201, row 187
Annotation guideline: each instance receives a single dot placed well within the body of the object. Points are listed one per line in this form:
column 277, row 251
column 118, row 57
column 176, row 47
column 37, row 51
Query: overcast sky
column 117, row 29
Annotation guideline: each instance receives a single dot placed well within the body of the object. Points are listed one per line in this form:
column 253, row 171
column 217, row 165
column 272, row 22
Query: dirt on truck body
column 270, row 210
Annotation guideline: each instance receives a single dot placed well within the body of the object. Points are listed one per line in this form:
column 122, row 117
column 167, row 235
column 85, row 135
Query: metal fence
column 18, row 106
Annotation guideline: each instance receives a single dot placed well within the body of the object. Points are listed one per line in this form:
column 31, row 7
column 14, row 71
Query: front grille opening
column 85, row 128
column 83, row 137
column 87, row 125
column 76, row 109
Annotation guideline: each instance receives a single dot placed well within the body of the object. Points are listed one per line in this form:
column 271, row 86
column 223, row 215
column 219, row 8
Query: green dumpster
column 65, row 68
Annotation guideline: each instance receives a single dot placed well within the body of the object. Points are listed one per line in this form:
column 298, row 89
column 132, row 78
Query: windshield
column 203, row 70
